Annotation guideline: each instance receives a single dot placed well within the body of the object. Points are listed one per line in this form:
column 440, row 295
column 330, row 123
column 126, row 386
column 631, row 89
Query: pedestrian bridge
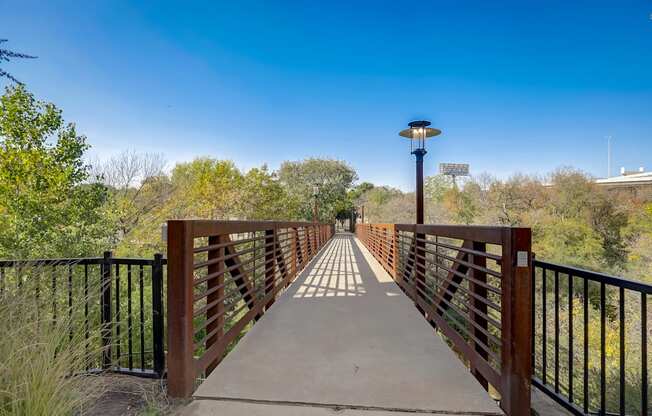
column 343, row 336
column 334, row 330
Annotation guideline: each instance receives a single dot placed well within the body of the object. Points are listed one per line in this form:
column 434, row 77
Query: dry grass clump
column 43, row 356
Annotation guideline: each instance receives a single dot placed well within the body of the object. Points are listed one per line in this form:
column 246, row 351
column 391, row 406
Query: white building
column 636, row 181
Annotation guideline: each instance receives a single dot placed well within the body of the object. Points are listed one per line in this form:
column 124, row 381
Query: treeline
column 54, row 202
column 573, row 220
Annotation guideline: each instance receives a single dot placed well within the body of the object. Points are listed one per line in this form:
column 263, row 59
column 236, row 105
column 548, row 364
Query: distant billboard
column 454, row 169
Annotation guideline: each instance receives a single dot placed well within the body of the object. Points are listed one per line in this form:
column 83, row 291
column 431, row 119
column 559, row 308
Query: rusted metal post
column 295, row 252
column 216, row 287
column 270, row 263
column 181, row 372
column 516, row 316
column 395, row 252
column 480, row 290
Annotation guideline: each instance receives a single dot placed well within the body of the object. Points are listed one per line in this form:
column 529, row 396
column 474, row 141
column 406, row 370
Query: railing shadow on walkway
column 344, row 336
column 330, row 277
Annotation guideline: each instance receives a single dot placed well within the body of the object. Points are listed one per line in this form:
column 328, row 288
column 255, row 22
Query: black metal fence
column 122, row 298
column 591, row 340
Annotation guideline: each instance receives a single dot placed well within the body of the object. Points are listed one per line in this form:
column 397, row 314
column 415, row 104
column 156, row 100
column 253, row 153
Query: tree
column 46, row 206
column 264, row 198
column 205, row 188
column 6, row 55
column 137, row 186
column 436, row 187
column 325, row 181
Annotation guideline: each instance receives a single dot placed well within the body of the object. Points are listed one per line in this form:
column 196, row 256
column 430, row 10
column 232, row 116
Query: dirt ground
column 131, row 396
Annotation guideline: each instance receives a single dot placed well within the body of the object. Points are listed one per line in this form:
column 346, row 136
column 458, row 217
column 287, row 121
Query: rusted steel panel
column 516, row 318
column 284, row 253
column 458, row 305
column 215, row 296
column 240, row 277
column 486, row 234
column 181, row 371
column 480, row 291
column 453, row 278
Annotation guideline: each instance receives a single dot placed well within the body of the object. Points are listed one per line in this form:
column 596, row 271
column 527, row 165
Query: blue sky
column 522, row 86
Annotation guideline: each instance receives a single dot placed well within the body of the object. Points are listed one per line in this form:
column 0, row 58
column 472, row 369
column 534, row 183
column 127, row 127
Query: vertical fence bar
column 105, row 307
column 181, row 373
column 603, row 364
column 621, row 304
column 118, row 339
column 295, row 251
column 142, row 317
column 420, row 266
column 54, row 295
column 481, row 292
column 130, row 357
column 556, row 323
column 570, row 337
column 270, row 272
column 216, row 324
column 585, row 305
column 544, row 324
column 86, row 326
column 516, row 358
column 534, row 311
column 70, row 321
column 644, row 380
column 158, row 317
column 395, row 265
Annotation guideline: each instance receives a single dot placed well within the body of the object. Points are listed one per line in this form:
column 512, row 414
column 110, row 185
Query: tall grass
column 43, row 355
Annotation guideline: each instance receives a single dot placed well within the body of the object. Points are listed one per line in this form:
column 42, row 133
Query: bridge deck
column 342, row 337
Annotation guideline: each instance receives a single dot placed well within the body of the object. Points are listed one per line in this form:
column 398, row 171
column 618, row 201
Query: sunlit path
column 341, row 338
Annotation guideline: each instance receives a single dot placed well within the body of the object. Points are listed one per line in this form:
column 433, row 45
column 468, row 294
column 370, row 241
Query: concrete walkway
column 342, row 339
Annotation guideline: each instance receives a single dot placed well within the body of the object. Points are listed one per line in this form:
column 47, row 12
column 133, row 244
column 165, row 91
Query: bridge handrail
column 484, row 310
column 222, row 276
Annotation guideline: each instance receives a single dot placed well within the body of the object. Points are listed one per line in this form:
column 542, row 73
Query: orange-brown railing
column 222, row 276
column 473, row 284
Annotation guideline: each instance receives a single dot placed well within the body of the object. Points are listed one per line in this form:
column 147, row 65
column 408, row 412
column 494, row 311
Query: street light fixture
column 418, row 132
column 315, row 195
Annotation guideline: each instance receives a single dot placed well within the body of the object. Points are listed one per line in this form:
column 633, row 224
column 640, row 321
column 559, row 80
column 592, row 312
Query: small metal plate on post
column 521, row 259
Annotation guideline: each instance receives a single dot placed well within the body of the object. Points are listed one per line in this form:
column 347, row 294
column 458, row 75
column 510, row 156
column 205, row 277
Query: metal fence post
column 516, row 315
column 270, row 263
column 478, row 287
column 105, row 309
column 158, row 314
column 181, row 366
column 395, row 252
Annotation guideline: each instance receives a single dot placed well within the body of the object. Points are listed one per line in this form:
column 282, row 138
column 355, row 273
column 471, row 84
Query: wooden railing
column 223, row 276
column 473, row 284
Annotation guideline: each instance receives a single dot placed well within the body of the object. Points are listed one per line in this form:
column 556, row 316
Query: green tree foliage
column 325, row 180
column 264, row 197
column 46, row 206
column 573, row 220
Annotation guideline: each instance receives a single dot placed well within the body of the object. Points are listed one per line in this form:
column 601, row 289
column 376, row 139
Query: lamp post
column 315, row 194
column 418, row 132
